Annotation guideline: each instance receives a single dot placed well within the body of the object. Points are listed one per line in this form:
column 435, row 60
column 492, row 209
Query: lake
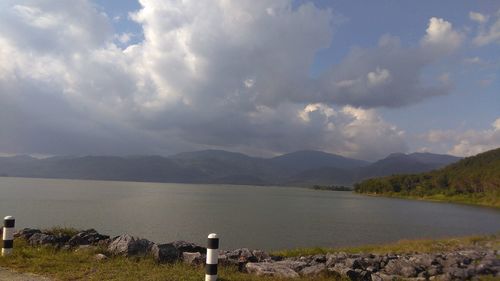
column 262, row 217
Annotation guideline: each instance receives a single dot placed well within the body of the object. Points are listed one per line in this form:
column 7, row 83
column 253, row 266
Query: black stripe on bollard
column 211, row 269
column 9, row 223
column 213, row 243
column 8, row 244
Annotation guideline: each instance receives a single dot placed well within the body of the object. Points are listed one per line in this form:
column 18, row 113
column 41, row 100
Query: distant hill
column 399, row 163
column 473, row 179
column 396, row 163
column 304, row 160
column 217, row 166
column 221, row 166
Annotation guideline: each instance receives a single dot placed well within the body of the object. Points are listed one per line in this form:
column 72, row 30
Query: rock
column 340, row 268
column 240, row 256
column 400, row 267
column 293, row 265
column 359, row 275
column 451, row 260
column 87, row 237
column 354, row 263
column 352, row 274
column 423, row 260
column 247, row 256
column 223, row 260
column 61, row 239
column 434, row 270
column 261, row 255
column 319, row 258
column 371, row 268
column 165, row 253
column 39, row 239
column 277, row 258
column 26, row 233
column 376, row 277
column 183, row 246
column 386, row 277
column 314, row 270
column 104, row 243
column 127, row 245
column 455, row 272
column 445, row 277
column 100, row 257
column 270, row 269
column 195, row 258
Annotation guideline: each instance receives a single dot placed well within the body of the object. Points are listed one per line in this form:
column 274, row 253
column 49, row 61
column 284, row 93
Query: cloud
column 354, row 132
column 466, row 143
column 474, row 60
column 206, row 75
column 379, row 77
column 478, row 17
column 488, row 33
column 389, row 75
column 441, row 36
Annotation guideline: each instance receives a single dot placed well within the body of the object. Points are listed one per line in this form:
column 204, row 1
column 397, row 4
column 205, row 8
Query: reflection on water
column 244, row 216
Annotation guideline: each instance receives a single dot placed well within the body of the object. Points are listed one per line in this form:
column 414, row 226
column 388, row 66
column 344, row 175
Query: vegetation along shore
column 472, row 180
column 69, row 254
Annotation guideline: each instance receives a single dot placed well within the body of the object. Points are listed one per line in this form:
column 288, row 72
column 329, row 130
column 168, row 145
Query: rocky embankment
column 467, row 263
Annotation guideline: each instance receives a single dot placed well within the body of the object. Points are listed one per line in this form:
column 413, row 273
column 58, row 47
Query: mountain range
column 217, row 166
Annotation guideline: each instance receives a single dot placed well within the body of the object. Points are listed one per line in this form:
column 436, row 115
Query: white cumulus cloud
column 441, row 35
column 468, row 142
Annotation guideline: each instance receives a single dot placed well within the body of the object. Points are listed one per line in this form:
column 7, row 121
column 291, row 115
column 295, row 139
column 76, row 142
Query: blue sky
column 357, row 78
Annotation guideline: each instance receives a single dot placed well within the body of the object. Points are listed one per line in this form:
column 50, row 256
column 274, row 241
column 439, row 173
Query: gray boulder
column 100, row 257
column 401, row 267
column 423, row 260
column 195, row 258
column 39, row 239
column 127, row 245
column 26, row 233
column 353, row 274
column 261, row 255
column 184, row 246
column 241, row 256
column 270, row 269
column 87, row 237
column 293, row 265
column 165, row 253
column 314, row 270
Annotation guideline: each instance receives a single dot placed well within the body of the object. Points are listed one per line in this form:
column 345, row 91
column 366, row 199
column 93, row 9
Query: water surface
column 244, row 216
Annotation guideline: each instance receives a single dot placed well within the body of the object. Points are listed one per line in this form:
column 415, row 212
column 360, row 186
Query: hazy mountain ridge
column 217, row 166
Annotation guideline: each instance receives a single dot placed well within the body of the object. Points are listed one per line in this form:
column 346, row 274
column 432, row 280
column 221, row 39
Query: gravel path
column 8, row 275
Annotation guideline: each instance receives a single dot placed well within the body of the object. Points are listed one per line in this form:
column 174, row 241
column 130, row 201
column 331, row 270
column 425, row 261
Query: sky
column 362, row 79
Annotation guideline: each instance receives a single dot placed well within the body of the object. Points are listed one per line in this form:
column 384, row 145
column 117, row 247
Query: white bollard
column 212, row 257
column 8, row 235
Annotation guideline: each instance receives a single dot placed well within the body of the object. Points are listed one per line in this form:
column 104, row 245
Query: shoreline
column 65, row 254
column 437, row 199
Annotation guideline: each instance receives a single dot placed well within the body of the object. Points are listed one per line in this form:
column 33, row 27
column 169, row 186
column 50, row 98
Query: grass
column 479, row 200
column 68, row 265
column 402, row 247
column 61, row 231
